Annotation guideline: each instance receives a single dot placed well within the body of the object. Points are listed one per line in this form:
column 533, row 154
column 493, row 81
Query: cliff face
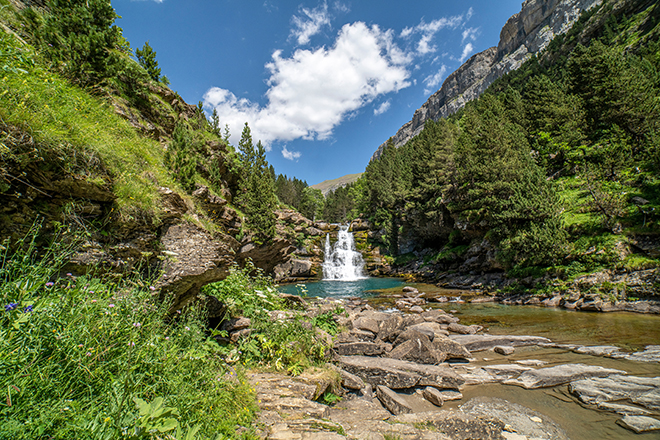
column 524, row 35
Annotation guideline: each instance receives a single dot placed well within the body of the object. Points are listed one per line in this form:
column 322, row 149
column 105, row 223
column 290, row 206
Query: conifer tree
column 147, row 59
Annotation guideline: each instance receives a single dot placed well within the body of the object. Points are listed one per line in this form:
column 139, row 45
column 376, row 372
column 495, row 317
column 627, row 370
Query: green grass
column 75, row 133
column 78, row 357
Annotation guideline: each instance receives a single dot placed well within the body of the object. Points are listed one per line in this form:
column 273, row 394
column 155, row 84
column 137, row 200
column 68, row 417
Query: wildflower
column 28, row 309
column 69, row 274
column 11, row 306
column 131, row 344
column 187, row 328
column 111, row 305
column 91, row 291
column 93, row 300
column 88, row 354
column 50, row 284
column 178, row 311
column 152, row 288
column 137, row 325
column 167, row 338
column 80, row 346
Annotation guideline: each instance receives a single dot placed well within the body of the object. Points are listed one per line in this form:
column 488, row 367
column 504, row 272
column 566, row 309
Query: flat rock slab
column 359, row 348
column 506, row 371
column 457, row 425
column 650, row 354
column 561, row 374
column 392, row 401
column 523, row 420
column 397, row 374
column 624, row 410
column 640, row 424
column 644, row 391
column 598, row 350
column 487, row 342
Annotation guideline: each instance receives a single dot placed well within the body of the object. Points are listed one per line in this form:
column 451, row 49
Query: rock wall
column 524, row 35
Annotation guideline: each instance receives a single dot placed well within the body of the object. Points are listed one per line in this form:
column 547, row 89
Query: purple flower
column 131, row 344
column 69, row 274
column 111, row 305
column 137, row 325
column 91, row 291
column 88, row 354
column 50, row 284
column 152, row 288
column 28, row 309
column 11, row 306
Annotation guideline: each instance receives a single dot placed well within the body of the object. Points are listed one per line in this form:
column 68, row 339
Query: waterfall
column 342, row 262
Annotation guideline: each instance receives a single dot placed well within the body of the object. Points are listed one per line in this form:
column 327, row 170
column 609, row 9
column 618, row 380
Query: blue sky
column 321, row 83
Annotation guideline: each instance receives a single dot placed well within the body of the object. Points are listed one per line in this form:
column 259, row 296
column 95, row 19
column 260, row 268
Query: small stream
column 630, row 331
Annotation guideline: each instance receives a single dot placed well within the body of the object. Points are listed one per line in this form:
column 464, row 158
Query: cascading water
column 342, row 262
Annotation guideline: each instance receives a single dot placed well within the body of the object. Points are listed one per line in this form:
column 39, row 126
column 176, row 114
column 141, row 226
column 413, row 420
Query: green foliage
column 78, row 354
column 326, row 322
column 147, row 59
column 180, row 157
column 287, row 345
column 256, row 187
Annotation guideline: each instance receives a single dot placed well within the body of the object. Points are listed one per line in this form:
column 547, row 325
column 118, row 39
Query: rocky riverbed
column 421, row 374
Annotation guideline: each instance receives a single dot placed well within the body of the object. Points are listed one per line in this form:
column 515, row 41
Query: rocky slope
column 524, row 35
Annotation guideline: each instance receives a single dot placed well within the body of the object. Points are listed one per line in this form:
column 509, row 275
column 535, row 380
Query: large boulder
column 193, row 258
column 398, row 374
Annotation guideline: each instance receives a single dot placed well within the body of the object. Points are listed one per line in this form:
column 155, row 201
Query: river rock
column 419, row 349
column 392, row 401
column 351, row 381
column 521, row 420
column 561, row 374
column 367, row 324
column 504, row 350
column 640, row 424
column 390, row 328
column 531, row 362
column 644, row 391
column 624, row 410
column 597, row 350
column 416, row 309
column 398, row 374
column 650, row 354
column 413, row 333
column 433, row 395
column 450, row 348
column 486, row 342
column 455, row 425
column 505, row 371
column 431, row 329
column 464, row 329
column 359, row 348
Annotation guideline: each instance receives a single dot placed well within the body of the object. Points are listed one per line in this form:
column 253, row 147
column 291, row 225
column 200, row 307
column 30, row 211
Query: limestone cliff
column 524, row 35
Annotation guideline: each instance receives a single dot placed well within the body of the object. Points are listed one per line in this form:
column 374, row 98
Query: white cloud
column 428, row 31
column 341, row 7
column 291, row 155
column 467, row 50
column 309, row 23
column 470, row 33
column 469, row 14
column 313, row 91
column 431, row 82
column 385, row 106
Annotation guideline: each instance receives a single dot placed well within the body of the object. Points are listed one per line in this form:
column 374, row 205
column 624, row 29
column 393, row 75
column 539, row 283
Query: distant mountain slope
column 330, row 185
column 524, row 35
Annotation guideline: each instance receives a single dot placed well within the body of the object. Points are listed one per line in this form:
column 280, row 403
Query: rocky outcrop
column 524, row 35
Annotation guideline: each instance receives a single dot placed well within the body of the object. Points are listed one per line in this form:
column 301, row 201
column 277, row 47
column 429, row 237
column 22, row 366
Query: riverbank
column 414, row 375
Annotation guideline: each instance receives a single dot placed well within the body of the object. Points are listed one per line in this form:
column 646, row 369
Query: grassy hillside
column 330, row 185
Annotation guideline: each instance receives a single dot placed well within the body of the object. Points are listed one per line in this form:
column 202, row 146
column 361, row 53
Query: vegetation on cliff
column 556, row 164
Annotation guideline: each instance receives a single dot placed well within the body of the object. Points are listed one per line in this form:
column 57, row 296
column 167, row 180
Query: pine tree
column 147, row 59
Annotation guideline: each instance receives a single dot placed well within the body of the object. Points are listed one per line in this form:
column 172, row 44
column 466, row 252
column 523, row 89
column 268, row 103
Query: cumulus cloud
column 309, row 23
column 385, row 106
column 467, row 50
column 431, row 82
column 291, row 155
column 313, row 91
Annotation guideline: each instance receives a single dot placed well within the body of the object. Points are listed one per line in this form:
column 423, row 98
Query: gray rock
column 505, row 371
column 624, row 410
column 464, row 329
column 520, row 419
column 392, row 401
column 414, row 333
column 359, row 348
column 236, row 324
column 650, row 354
column 397, row 374
column 531, row 362
column 362, row 335
column 597, row 350
column 351, row 381
column 486, row 342
column 455, row 425
column 416, row 309
column 641, row 390
column 433, row 395
column 367, row 324
column 450, row 348
column 448, row 395
column 640, row 424
column 561, row 374
column 390, row 328
column 505, row 350
column 419, row 350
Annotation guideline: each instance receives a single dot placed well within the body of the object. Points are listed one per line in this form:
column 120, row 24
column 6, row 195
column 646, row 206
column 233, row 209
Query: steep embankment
column 524, row 35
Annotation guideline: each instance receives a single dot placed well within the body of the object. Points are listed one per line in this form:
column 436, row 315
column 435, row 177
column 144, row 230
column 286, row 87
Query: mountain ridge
column 524, row 35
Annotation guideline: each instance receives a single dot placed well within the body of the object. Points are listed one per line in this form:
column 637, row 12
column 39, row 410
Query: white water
column 342, row 262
